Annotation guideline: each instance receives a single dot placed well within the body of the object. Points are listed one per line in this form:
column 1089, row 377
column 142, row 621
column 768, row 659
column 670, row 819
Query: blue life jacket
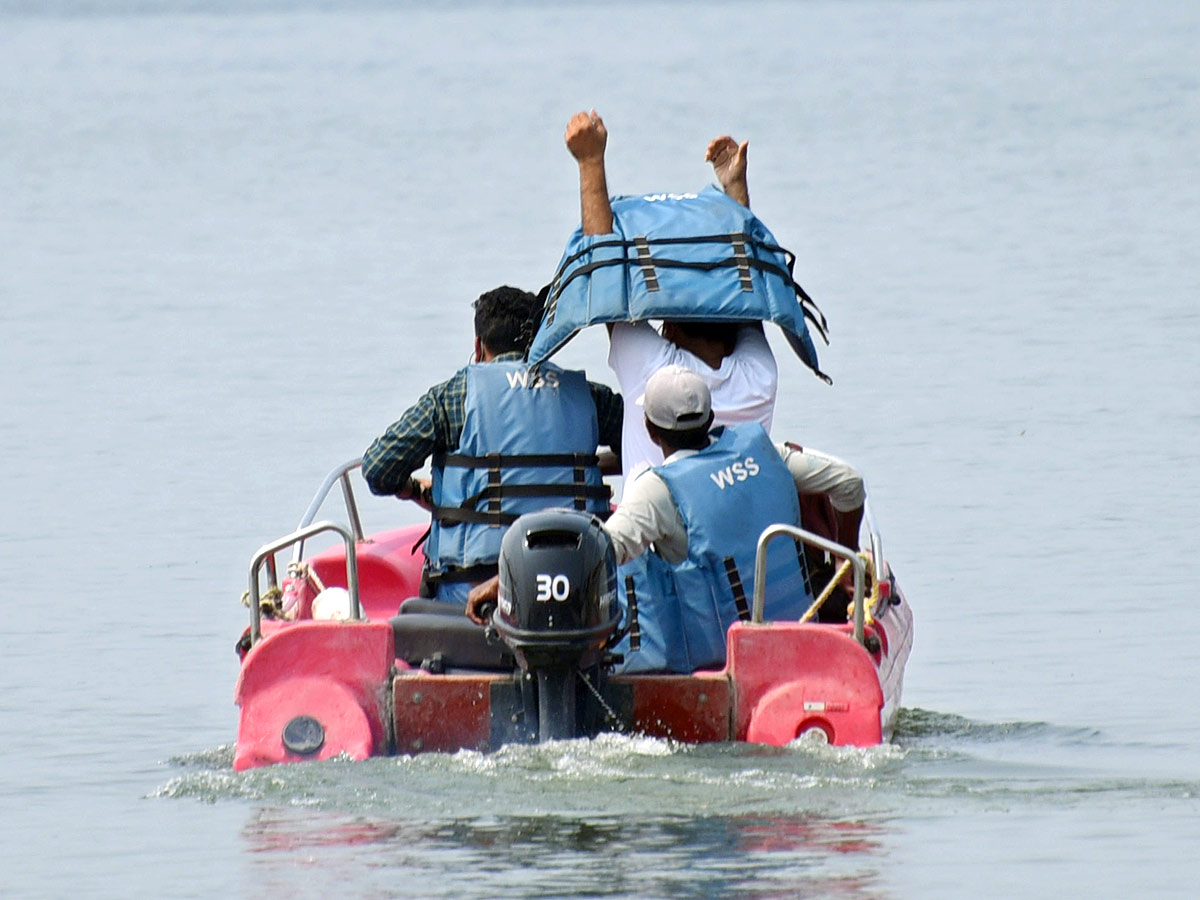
column 701, row 257
column 726, row 495
column 528, row 443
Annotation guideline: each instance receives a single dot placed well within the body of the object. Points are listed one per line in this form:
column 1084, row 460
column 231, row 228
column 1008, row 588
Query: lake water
column 236, row 244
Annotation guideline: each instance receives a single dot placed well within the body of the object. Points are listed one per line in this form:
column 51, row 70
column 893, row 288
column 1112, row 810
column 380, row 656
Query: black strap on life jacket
column 807, row 306
column 473, row 574
column 735, row 585
column 454, row 515
column 635, row 630
column 578, row 490
column 514, row 460
column 493, row 489
column 647, row 262
column 743, row 264
column 431, row 578
column 740, row 260
column 579, row 477
column 663, row 241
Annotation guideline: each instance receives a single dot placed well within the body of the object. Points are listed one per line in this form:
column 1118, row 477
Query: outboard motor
column 557, row 607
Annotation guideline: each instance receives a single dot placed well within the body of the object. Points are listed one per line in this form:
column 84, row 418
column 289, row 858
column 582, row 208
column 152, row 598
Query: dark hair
column 506, row 319
column 688, row 439
column 724, row 333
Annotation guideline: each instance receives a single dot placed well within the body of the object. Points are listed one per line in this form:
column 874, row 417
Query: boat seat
column 439, row 636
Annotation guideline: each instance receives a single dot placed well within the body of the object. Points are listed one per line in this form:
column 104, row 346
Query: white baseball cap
column 676, row 399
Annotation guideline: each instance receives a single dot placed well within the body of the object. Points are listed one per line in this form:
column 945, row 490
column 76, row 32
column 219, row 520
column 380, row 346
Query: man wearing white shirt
column 734, row 360
column 742, row 382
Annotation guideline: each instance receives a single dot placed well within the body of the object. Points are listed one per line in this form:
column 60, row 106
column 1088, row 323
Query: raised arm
column 728, row 159
column 586, row 138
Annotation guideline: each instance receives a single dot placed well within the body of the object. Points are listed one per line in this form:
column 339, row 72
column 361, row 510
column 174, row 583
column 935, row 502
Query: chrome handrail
column 269, row 551
column 876, row 540
column 339, row 474
column 760, row 569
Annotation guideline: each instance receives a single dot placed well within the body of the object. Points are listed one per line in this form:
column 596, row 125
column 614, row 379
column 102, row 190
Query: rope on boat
column 869, row 603
column 268, row 602
column 303, row 570
column 872, row 599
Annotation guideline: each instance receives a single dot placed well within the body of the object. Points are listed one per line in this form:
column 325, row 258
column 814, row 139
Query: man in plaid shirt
column 505, row 320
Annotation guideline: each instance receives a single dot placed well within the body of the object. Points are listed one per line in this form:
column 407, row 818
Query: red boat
column 320, row 675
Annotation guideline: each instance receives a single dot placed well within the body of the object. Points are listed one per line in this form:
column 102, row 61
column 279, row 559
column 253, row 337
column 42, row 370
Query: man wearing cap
column 700, row 514
column 678, row 415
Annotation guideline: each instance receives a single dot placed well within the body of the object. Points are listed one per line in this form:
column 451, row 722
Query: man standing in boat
column 733, row 358
column 686, row 531
column 504, row 440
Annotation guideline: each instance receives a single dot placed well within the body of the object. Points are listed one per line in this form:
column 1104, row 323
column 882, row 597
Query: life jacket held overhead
column 701, row 257
column 528, row 443
column 726, row 494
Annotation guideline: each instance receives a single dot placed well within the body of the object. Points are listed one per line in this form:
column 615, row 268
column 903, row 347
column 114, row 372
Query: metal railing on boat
column 772, row 532
column 339, row 475
column 268, row 551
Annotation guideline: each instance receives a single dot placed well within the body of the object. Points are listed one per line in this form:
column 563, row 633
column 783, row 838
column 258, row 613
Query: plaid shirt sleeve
column 434, row 423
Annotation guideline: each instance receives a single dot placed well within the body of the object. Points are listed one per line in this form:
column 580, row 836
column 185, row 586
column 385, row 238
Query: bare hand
column 586, row 136
column 423, row 496
column 481, row 600
column 728, row 159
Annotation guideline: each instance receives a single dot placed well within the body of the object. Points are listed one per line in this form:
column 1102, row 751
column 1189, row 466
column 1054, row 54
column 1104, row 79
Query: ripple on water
column 936, row 756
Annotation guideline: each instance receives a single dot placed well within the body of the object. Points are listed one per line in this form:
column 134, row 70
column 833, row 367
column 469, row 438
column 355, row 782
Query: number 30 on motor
column 552, row 587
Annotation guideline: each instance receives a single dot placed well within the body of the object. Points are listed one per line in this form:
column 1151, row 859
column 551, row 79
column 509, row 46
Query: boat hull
column 781, row 681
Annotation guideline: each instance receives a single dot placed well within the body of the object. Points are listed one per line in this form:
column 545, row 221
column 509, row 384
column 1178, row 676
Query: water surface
column 237, row 244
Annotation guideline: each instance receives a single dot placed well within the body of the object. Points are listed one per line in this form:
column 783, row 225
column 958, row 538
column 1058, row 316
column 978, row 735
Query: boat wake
column 915, row 723
column 611, row 773
column 934, row 755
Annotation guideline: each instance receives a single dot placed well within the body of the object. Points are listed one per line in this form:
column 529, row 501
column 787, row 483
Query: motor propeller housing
column 557, row 610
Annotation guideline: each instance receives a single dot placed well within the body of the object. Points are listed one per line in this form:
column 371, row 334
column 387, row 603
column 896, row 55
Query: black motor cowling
column 557, row 607
column 558, row 599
